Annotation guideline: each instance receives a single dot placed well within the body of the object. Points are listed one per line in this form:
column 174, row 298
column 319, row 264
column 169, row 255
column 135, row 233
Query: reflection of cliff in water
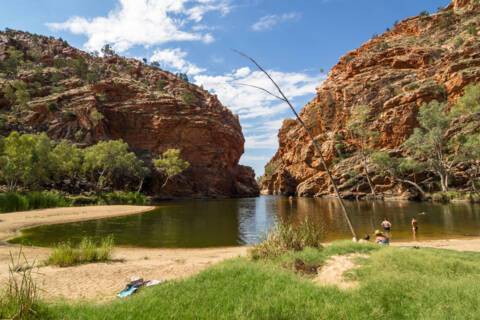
column 228, row 222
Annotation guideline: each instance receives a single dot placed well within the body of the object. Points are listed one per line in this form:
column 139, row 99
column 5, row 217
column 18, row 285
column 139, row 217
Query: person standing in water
column 414, row 225
column 386, row 225
column 414, row 228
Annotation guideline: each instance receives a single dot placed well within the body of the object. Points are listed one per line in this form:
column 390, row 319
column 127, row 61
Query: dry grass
column 19, row 300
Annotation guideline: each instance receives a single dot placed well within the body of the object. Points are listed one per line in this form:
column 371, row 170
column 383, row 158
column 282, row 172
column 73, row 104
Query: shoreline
column 12, row 223
column 100, row 282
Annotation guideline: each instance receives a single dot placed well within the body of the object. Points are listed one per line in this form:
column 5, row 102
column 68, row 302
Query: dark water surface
column 211, row 223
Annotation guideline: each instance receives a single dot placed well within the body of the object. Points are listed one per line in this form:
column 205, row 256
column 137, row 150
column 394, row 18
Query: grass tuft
column 19, row 300
column 65, row 255
column 286, row 237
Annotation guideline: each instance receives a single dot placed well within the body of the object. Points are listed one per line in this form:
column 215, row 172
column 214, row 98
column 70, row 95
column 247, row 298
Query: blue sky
column 295, row 39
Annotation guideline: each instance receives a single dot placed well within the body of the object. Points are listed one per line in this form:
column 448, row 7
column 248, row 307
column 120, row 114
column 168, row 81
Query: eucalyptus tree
column 399, row 168
column 25, row 160
column 170, row 164
column 430, row 144
column 109, row 161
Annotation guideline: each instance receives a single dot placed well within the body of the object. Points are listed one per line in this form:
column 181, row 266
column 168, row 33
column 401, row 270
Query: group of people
column 384, row 237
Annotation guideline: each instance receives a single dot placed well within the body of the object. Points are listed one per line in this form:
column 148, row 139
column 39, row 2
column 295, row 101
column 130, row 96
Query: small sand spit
column 332, row 273
column 11, row 223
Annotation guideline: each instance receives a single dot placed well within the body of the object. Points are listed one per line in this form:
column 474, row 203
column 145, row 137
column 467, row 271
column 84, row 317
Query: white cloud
column 175, row 58
column 145, row 22
column 250, row 102
column 261, row 114
column 270, row 21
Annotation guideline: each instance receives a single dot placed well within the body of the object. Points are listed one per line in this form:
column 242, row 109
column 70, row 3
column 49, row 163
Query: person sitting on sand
column 380, row 238
column 386, row 225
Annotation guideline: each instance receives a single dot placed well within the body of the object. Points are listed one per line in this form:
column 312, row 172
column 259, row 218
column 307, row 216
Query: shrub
column 472, row 29
column 287, row 237
column 458, row 42
column 424, row 13
column 14, row 201
column 188, row 98
column 122, row 197
column 441, row 197
column 64, row 254
column 161, row 84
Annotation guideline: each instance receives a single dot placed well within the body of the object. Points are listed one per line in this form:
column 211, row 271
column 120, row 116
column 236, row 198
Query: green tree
column 470, row 151
column 80, row 68
column 358, row 126
column 398, row 168
column 66, row 160
column 25, row 160
column 469, row 103
column 108, row 161
column 429, row 142
column 170, row 164
column 17, row 93
column 107, row 50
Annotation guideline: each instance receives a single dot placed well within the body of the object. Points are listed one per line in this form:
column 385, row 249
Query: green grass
column 65, row 255
column 395, row 283
column 14, row 201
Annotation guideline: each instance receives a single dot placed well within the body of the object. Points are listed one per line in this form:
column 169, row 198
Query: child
column 380, row 238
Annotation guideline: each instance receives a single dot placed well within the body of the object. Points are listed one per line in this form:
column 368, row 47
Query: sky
column 298, row 41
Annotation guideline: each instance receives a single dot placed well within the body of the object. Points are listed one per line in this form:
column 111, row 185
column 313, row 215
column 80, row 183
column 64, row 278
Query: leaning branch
column 316, row 145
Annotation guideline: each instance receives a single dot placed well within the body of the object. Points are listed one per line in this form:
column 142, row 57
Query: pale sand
column 101, row 281
column 332, row 273
column 11, row 223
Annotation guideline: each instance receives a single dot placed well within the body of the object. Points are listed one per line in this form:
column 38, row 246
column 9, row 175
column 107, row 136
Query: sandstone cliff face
column 421, row 59
column 117, row 98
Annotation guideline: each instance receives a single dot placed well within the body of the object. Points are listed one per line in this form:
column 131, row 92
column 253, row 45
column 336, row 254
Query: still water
column 214, row 223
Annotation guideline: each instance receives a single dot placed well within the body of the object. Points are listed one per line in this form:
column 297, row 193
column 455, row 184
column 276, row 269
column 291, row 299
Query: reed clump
column 285, row 237
column 19, row 299
column 88, row 251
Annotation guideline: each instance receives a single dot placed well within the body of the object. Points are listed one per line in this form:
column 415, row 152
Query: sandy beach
column 12, row 223
column 100, row 282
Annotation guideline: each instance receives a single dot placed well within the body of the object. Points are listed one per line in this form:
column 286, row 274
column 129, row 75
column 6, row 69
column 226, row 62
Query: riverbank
column 12, row 223
column 100, row 282
column 379, row 282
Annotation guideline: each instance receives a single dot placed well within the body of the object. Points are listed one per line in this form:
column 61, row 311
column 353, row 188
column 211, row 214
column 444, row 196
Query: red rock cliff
column 425, row 58
column 150, row 109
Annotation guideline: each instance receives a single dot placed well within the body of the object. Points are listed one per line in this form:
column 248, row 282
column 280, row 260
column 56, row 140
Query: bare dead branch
column 260, row 88
column 310, row 134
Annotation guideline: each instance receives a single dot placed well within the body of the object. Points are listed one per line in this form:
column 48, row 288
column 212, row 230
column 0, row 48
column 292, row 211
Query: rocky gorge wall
column 86, row 98
column 424, row 58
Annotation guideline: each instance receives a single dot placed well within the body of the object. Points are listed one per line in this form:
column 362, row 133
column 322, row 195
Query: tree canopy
column 107, row 160
column 170, row 164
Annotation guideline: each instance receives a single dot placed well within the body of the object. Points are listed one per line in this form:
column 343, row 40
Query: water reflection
column 207, row 223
